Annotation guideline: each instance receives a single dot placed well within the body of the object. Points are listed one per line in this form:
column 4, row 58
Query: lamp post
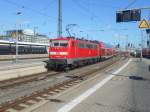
column 17, row 37
column 1, row 33
column 126, row 46
column 34, row 37
column 35, row 30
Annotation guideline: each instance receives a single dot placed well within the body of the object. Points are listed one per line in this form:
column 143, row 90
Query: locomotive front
column 58, row 53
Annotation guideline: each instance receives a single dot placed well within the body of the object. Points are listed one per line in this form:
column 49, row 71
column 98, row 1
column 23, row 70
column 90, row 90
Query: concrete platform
column 26, row 56
column 10, row 70
column 118, row 89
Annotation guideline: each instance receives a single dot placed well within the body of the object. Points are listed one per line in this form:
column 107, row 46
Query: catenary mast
column 59, row 30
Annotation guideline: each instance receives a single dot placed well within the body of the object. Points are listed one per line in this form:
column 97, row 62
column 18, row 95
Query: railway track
column 37, row 96
column 27, row 79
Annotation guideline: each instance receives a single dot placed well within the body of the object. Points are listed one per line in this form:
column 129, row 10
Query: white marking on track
column 69, row 106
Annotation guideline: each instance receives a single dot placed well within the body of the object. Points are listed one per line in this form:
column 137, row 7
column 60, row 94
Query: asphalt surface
column 127, row 91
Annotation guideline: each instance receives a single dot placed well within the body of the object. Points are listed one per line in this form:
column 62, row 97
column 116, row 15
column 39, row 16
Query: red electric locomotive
column 68, row 52
column 71, row 52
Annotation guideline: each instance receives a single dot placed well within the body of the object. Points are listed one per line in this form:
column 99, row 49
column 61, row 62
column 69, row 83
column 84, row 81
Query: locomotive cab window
column 56, row 44
column 59, row 43
column 63, row 44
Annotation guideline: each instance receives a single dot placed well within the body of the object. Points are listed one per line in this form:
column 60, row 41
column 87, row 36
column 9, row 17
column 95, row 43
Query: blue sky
column 95, row 18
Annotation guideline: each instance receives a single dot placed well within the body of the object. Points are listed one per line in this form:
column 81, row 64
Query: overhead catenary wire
column 93, row 17
column 48, row 5
column 82, row 4
column 86, row 10
column 105, row 5
column 132, row 3
column 28, row 8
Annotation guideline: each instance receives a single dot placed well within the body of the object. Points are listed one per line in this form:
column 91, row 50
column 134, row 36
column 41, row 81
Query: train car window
column 95, row 46
column 81, row 45
column 86, row 46
column 89, row 46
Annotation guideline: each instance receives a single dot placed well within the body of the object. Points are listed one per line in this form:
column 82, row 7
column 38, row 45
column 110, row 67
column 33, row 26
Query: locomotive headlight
column 52, row 53
column 58, row 53
column 63, row 53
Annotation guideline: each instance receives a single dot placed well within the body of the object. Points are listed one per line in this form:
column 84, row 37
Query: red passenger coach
column 102, row 49
column 70, row 52
column 106, row 50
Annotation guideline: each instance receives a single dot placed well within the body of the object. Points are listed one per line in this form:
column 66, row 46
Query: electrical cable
column 132, row 3
column 84, row 8
column 28, row 8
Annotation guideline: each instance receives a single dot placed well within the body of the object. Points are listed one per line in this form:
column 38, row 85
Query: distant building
column 27, row 35
column 38, row 38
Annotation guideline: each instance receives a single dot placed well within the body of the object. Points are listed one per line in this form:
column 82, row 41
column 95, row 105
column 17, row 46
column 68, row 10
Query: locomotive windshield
column 59, row 43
